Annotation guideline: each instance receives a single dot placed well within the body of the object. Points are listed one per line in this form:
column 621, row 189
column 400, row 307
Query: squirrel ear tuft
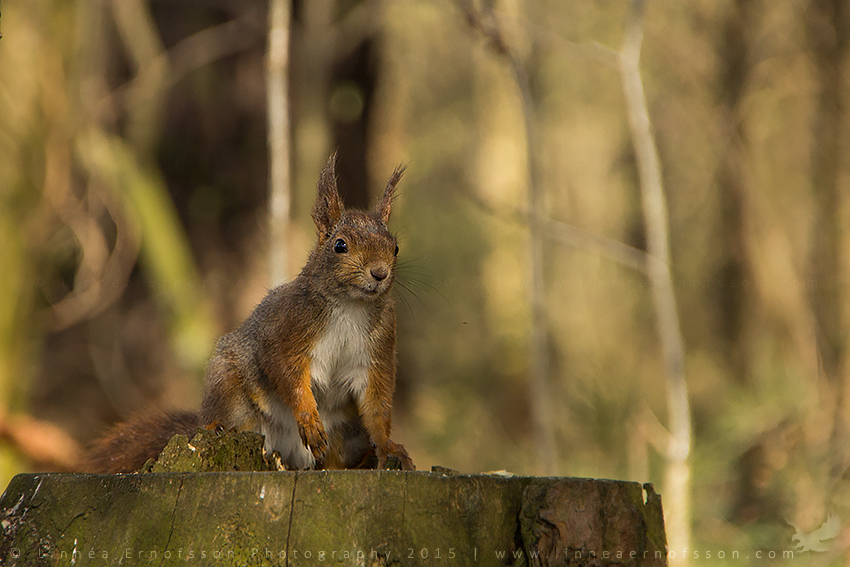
column 385, row 205
column 328, row 208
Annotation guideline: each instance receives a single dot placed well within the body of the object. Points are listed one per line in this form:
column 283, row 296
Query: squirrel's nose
column 380, row 273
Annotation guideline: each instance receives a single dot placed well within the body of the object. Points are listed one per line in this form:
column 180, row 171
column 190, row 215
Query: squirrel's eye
column 340, row 247
column 396, row 250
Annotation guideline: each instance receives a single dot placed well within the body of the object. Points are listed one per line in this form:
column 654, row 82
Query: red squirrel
column 313, row 367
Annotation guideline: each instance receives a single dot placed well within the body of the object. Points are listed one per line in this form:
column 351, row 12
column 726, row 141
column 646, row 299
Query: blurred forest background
column 134, row 230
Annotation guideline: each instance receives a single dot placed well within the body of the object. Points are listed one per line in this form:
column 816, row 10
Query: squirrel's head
column 356, row 253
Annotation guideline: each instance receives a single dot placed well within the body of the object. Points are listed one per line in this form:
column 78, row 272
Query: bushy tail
column 129, row 445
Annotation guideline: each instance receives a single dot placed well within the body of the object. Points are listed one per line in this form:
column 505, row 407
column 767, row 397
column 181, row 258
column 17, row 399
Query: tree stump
column 330, row 517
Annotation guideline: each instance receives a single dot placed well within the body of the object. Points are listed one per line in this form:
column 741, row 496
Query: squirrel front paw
column 314, row 438
column 395, row 450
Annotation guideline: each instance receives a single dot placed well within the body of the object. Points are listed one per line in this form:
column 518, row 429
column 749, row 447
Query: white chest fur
column 340, row 358
column 339, row 371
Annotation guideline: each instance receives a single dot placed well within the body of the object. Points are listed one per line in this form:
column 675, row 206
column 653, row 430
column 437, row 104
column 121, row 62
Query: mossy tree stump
column 328, row 517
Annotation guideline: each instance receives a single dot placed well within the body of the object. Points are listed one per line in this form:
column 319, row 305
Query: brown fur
column 128, row 446
column 266, row 362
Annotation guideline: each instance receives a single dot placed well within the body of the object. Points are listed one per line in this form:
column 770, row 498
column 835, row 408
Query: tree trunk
column 736, row 266
column 828, row 35
column 347, row 517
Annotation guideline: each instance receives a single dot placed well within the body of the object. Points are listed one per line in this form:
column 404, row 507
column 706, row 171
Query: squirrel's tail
column 129, row 445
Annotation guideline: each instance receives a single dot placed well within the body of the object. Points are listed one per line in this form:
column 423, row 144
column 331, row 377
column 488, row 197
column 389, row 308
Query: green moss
column 214, row 451
column 332, row 517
